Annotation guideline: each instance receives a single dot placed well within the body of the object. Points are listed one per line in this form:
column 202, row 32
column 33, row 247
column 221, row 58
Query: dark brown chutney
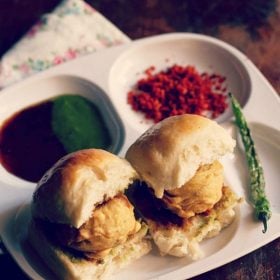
column 28, row 144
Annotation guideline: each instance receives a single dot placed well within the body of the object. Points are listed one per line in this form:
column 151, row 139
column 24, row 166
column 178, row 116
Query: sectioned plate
column 114, row 71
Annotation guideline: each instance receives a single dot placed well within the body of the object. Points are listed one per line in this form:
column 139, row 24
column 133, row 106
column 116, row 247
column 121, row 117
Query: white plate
column 114, row 71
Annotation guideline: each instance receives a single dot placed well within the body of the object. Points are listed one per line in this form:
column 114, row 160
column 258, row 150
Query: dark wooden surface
column 253, row 26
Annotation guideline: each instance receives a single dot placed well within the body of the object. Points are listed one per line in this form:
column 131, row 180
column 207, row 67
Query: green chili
column 257, row 181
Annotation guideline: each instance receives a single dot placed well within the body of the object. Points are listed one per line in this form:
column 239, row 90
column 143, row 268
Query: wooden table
column 251, row 26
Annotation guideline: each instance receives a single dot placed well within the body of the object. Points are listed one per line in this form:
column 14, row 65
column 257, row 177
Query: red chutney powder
column 179, row 90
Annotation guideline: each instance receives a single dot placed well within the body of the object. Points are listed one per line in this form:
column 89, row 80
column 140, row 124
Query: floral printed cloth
column 73, row 29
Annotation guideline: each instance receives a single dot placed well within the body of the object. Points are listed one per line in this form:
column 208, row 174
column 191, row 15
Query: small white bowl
column 204, row 53
column 43, row 89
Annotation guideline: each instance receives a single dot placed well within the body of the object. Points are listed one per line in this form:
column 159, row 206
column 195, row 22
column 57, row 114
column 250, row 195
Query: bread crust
column 69, row 192
column 169, row 153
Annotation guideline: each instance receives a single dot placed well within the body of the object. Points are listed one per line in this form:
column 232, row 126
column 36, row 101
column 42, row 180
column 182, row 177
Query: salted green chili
column 257, row 182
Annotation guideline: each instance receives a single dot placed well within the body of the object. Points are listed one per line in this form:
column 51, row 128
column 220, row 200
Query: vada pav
column 83, row 226
column 181, row 193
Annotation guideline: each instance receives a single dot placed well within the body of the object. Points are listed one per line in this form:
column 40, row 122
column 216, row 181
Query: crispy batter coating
column 199, row 194
column 111, row 224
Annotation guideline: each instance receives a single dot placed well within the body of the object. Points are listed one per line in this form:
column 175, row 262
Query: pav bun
column 71, row 189
column 169, row 153
column 68, row 267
